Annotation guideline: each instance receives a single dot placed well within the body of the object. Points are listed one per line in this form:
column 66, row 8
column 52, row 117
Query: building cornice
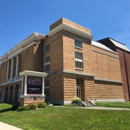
column 69, row 29
column 107, row 80
column 6, row 83
column 20, row 46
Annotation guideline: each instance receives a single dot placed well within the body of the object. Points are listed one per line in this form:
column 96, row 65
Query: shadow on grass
column 5, row 110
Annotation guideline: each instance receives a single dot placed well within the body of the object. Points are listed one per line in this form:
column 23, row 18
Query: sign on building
column 34, row 85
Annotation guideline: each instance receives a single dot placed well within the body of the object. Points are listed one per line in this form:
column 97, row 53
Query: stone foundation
column 26, row 100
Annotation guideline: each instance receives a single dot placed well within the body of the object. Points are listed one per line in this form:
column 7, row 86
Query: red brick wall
column 3, row 71
column 125, row 57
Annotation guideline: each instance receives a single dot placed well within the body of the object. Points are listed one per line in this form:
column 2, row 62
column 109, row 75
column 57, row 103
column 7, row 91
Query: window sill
column 79, row 69
column 78, row 48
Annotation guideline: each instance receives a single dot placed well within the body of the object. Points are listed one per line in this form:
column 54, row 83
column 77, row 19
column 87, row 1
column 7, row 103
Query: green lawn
column 114, row 104
column 66, row 118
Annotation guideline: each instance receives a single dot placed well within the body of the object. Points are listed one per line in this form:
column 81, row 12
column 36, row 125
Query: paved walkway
column 4, row 126
column 98, row 108
column 107, row 108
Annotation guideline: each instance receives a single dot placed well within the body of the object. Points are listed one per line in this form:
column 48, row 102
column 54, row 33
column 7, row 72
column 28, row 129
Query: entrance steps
column 88, row 103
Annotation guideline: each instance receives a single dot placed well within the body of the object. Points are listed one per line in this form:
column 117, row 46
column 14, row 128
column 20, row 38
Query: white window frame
column 78, row 46
column 79, row 60
column 45, row 84
column 47, row 63
column 45, row 47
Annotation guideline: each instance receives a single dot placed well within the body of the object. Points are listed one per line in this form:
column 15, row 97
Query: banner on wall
column 34, row 85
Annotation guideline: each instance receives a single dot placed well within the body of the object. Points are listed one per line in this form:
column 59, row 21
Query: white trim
column 47, row 63
column 25, row 85
column 32, row 43
column 78, row 48
column 78, row 60
column 46, row 45
column 70, row 29
column 33, row 73
column 43, row 86
column 102, row 46
column 4, row 60
column 5, row 83
column 15, row 53
column 18, row 48
column 79, row 68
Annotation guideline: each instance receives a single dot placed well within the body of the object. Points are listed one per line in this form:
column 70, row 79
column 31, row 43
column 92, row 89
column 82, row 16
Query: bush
column 32, row 106
column 76, row 101
column 15, row 107
column 42, row 105
column 22, row 108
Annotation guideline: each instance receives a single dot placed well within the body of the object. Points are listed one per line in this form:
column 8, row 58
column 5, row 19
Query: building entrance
column 78, row 84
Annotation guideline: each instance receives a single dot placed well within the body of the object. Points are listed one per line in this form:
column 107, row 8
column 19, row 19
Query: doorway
column 78, row 86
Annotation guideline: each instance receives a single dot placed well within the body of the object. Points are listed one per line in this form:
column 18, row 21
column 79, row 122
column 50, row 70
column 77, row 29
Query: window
column 47, row 59
column 78, row 82
column 47, row 87
column 47, row 63
column 47, row 83
column 47, row 47
column 78, row 55
column 78, row 43
column 47, row 67
column 79, row 60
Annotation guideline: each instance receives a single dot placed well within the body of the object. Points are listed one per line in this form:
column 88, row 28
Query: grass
column 66, row 118
column 114, row 104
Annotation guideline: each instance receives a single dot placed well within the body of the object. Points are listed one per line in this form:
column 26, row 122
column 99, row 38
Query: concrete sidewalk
column 4, row 126
column 107, row 108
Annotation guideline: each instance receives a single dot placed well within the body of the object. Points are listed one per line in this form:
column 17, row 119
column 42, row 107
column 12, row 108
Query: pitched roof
column 118, row 44
column 100, row 45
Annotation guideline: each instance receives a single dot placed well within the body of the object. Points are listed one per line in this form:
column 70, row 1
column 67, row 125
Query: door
column 78, row 85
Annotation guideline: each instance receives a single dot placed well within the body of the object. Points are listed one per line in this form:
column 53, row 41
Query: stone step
column 88, row 103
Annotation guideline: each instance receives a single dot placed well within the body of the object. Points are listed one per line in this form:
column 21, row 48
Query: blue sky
column 105, row 18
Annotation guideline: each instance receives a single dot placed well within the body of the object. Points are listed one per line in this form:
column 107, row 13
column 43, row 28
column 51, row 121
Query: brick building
column 75, row 65
column 124, row 55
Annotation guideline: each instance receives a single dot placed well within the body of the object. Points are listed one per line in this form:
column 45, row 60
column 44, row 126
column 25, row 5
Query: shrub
column 22, row 108
column 42, row 105
column 76, row 101
column 15, row 107
column 32, row 106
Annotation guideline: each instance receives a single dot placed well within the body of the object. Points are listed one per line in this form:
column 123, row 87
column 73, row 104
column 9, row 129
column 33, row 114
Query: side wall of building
column 104, row 65
column 124, row 64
